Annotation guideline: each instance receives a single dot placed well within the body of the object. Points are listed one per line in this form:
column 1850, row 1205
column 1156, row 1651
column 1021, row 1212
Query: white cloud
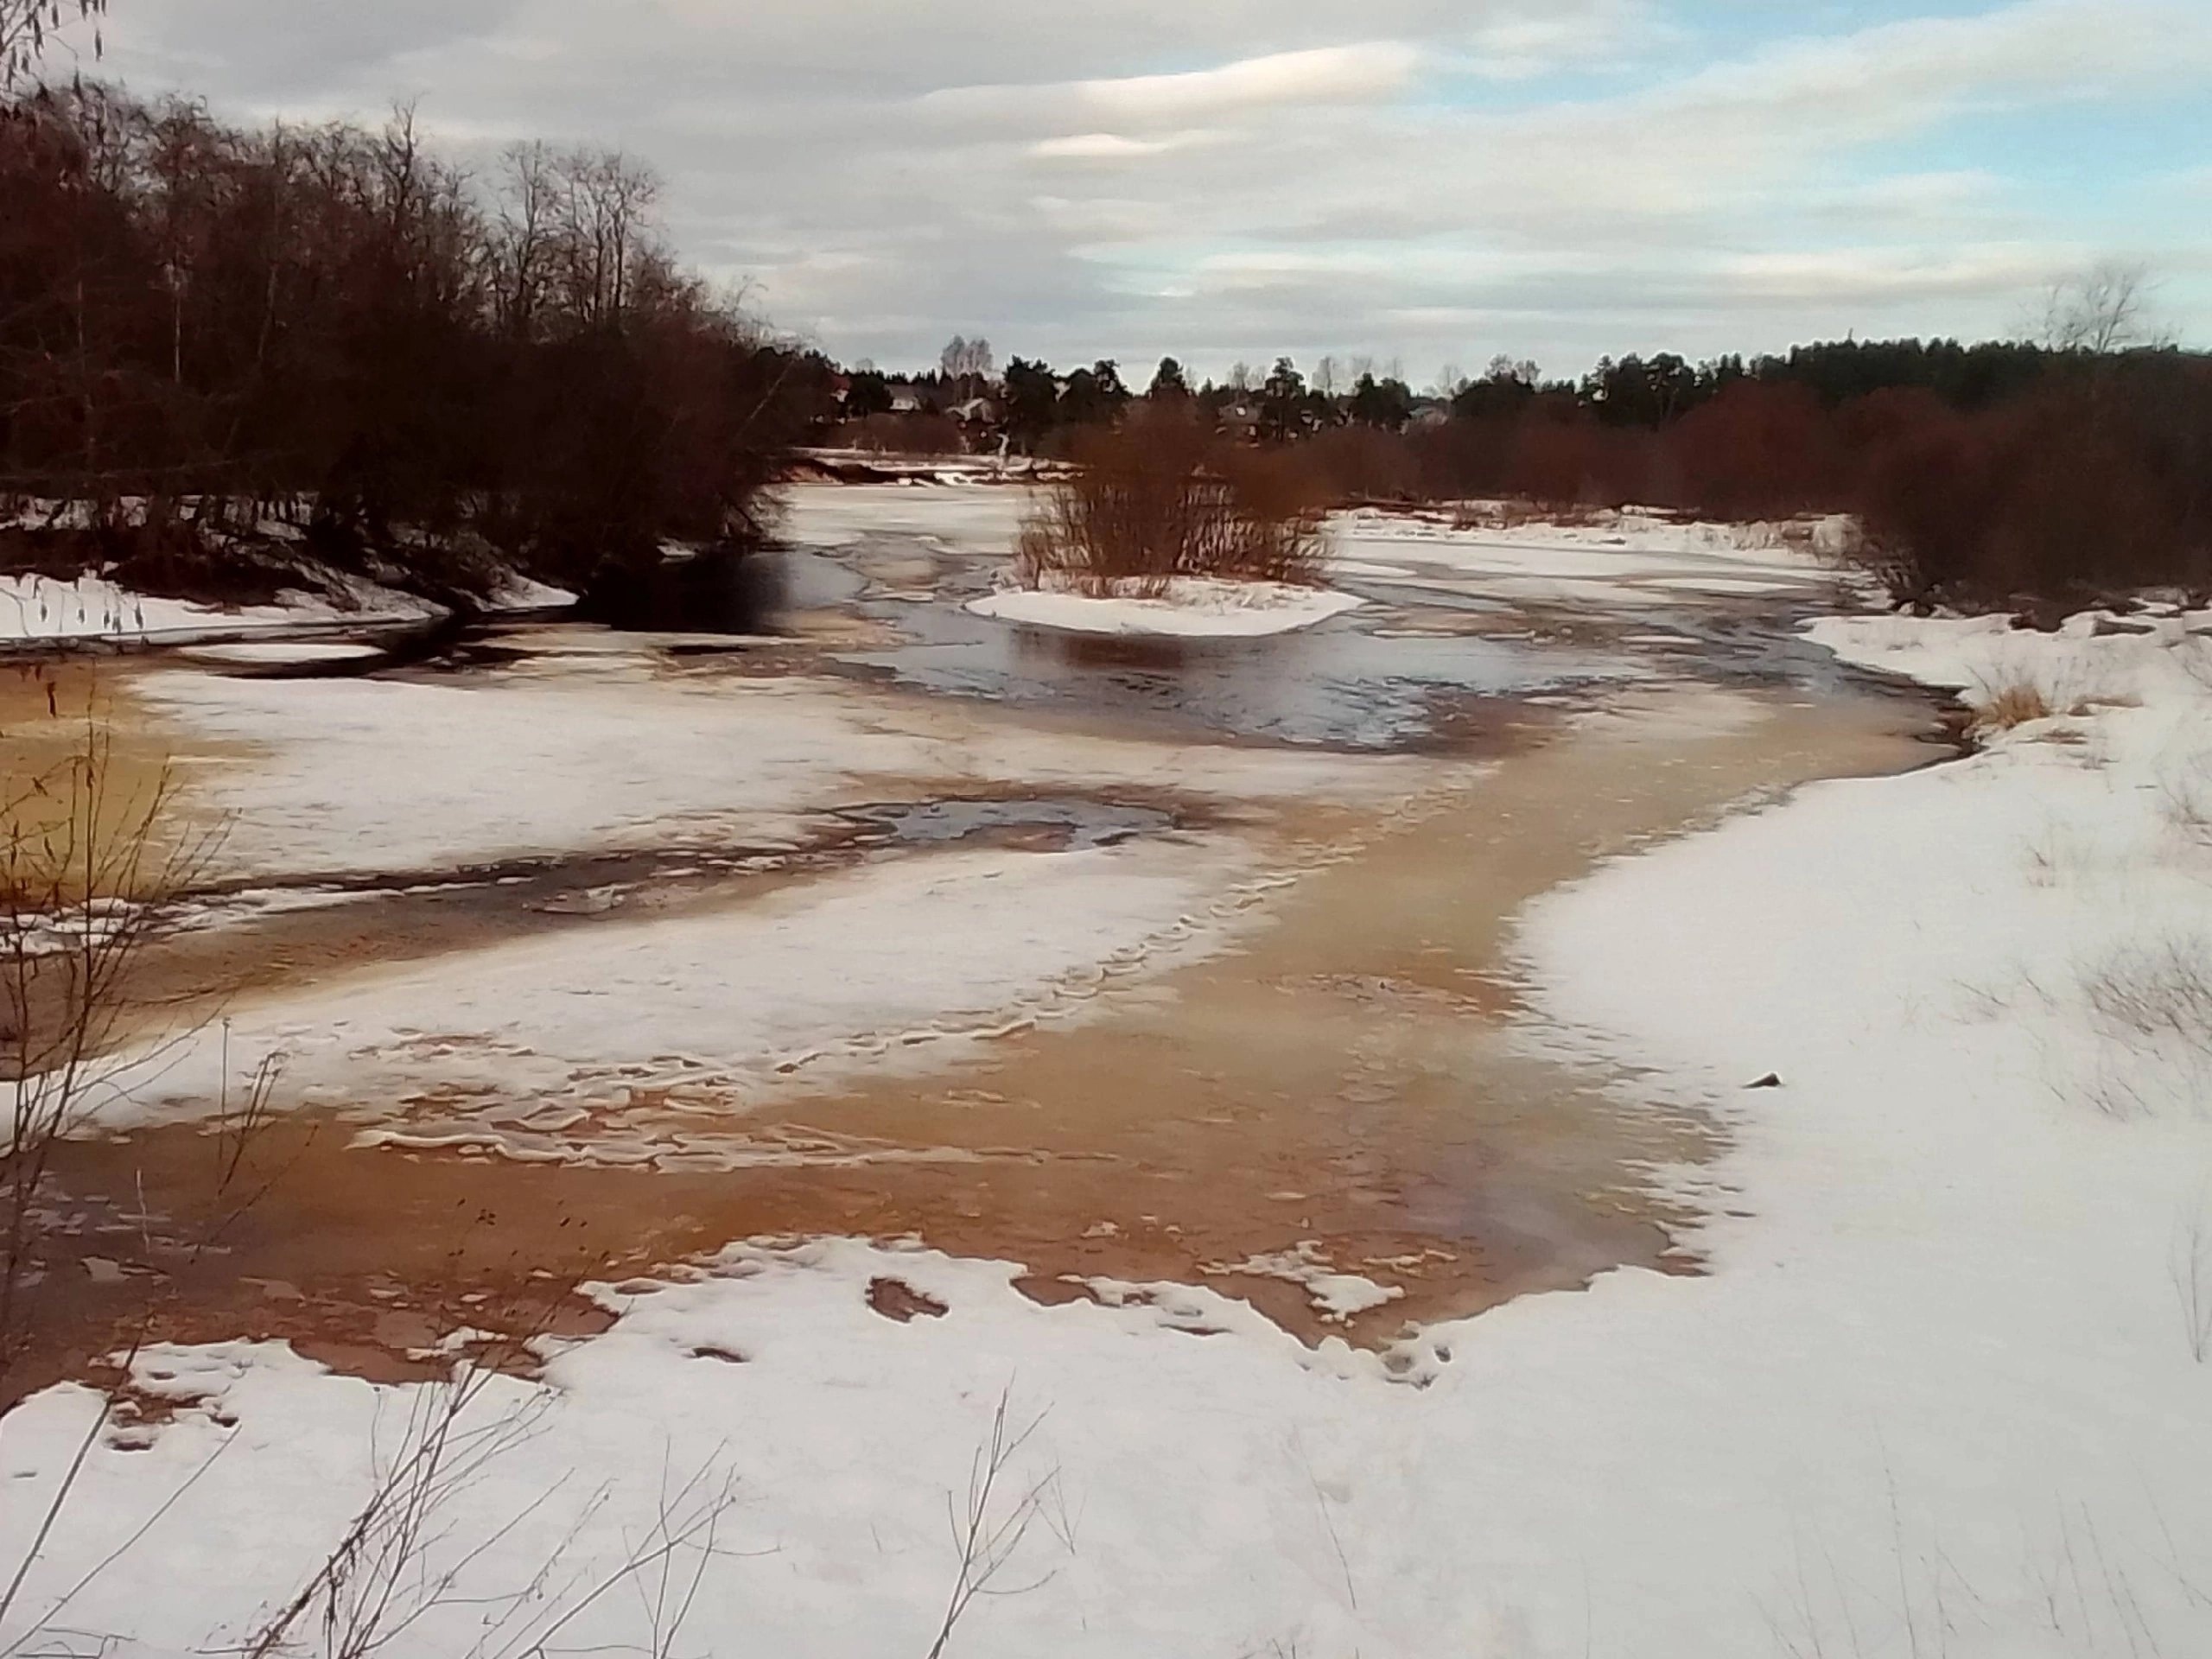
column 1239, row 177
column 1523, row 45
column 1360, row 72
column 1098, row 147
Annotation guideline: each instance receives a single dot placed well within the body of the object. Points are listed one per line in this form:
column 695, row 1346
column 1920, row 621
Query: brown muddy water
column 1340, row 1090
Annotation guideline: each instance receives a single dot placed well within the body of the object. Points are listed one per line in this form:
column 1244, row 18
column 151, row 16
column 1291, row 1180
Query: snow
column 348, row 775
column 34, row 608
column 517, row 592
column 1612, row 558
column 964, row 517
column 282, row 651
column 509, row 1046
column 1942, row 1390
column 1188, row 607
column 1337, row 1296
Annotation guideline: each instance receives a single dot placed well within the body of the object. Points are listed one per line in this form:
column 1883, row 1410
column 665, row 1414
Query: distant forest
column 204, row 326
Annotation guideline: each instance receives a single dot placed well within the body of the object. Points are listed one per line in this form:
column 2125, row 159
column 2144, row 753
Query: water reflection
column 1339, row 683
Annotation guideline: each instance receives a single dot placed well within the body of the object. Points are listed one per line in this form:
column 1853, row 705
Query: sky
column 1423, row 183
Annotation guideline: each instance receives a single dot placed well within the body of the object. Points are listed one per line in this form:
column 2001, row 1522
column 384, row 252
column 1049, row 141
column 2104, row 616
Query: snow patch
column 1187, row 607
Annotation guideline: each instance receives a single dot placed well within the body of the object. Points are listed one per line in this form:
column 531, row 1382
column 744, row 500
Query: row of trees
column 2079, row 460
column 210, row 324
column 1630, row 392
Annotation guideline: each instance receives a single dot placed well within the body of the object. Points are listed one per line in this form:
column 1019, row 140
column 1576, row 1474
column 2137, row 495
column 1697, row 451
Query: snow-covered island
column 1178, row 607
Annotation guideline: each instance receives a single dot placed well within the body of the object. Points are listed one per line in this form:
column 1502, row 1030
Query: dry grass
column 2185, row 800
column 2016, row 704
column 2159, row 993
column 2153, row 1004
column 1158, row 499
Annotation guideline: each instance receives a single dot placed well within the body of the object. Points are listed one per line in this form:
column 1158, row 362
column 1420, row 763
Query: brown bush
column 1364, row 463
column 1755, row 451
column 2081, row 491
column 1158, row 498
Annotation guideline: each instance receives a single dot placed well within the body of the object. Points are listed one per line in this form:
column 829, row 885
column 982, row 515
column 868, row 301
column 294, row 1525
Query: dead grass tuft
column 2153, row 1003
column 2016, row 704
column 2156, row 993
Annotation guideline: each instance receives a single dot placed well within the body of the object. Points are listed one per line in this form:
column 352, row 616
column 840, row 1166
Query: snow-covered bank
column 38, row 610
column 1944, row 1391
column 41, row 609
column 1185, row 607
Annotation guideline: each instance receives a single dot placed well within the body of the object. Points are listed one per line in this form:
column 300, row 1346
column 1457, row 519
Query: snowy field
column 1945, row 1390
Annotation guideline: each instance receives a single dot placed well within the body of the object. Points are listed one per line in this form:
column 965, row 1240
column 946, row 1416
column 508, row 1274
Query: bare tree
column 606, row 199
column 2100, row 310
column 964, row 360
column 26, row 25
column 523, row 248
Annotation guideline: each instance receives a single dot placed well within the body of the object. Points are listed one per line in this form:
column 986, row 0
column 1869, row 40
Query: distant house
column 977, row 414
column 1240, row 421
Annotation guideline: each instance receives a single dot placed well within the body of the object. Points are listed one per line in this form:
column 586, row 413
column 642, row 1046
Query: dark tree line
column 203, row 327
column 1983, row 470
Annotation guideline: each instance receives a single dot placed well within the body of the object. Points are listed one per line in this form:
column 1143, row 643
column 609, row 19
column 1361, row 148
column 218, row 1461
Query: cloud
column 1420, row 178
column 1523, row 45
column 1358, row 72
column 1098, row 147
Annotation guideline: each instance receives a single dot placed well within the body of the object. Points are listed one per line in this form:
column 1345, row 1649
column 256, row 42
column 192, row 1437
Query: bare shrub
column 2156, row 993
column 1755, row 451
column 2153, row 1004
column 1364, row 463
column 2089, row 487
column 401, row 1558
column 1157, row 498
column 988, row 1529
column 2185, row 799
column 92, row 869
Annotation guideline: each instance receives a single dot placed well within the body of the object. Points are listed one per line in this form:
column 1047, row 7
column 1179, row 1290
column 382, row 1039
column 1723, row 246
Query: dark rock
column 897, row 1299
